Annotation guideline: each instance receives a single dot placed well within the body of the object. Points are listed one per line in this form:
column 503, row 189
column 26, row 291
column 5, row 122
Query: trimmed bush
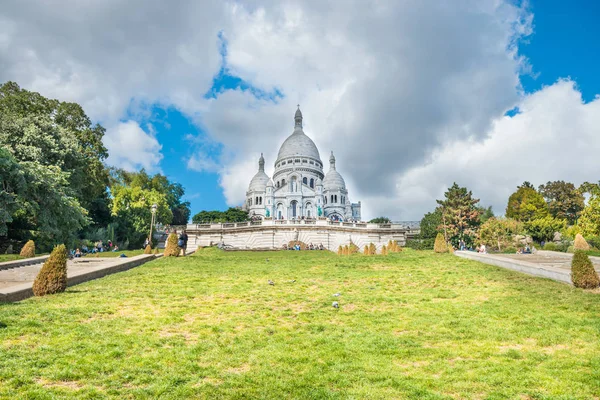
column 366, row 250
column 156, row 250
column 440, row 244
column 28, row 250
column 372, row 249
column 583, row 273
column 148, row 249
column 52, row 278
column 550, row 246
column 340, row 250
column 171, row 249
column 571, row 249
column 384, row 250
column 346, row 250
column 580, row 243
column 352, row 248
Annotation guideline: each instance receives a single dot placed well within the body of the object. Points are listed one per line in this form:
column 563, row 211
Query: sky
column 410, row 95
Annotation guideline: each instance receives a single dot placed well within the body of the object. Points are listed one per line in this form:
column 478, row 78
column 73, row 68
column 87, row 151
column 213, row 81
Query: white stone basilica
column 299, row 188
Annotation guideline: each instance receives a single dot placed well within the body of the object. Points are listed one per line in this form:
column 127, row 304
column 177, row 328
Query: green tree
column 131, row 209
column 381, row 220
column 589, row 221
column 460, row 215
column 231, row 215
column 542, row 229
column 430, row 224
column 564, row 200
column 486, row 213
column 526, row 204
column 12, row 186
column 498, row 232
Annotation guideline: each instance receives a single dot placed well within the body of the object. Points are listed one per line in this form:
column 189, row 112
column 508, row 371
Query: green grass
column 128, row 253
column 9, row 257
column 410, row 325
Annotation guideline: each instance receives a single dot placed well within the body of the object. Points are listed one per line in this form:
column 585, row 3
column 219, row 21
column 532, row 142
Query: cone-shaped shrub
column 28, row 250
column 352, row 248
column 366, row 250
column 583, row 273
column 148, row 250
column 440, row 245
column 372, row 249
column 52, row 278
column 580, row 243
column 340, row 250
column 346, row 250
column 171, row 249
column 156, row 250
column 384, row 250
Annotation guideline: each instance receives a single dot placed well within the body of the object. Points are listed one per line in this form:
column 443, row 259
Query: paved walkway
column 16, row 283
column 546, row 264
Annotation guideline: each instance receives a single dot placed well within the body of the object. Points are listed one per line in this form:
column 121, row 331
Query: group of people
column 309, row 247
column 98, row 247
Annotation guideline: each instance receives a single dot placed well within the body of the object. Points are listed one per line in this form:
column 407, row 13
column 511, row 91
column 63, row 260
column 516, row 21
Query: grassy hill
column 409, row 325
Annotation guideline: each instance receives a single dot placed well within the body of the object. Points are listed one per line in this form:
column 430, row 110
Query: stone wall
column 273, row 234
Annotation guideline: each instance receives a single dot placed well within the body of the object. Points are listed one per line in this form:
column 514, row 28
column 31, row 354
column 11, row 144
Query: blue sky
column 565, row 43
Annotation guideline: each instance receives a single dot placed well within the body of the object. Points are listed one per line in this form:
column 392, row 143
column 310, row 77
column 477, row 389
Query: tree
column 460, row 215
column 12, row 187
column 498, row 232
column 583, row 274
column 589, row 221
column 430, row 224
column 231, row 215
column 131, row 209
column 526, row 204
column 542, row 229
column 381, row 220
column 564, row 200
column 486, row 214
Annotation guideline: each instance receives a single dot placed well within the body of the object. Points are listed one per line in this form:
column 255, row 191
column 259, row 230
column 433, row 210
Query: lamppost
column 153, row 209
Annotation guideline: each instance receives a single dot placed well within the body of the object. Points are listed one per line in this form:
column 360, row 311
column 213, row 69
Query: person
column 482, row 249
column 146, row 242
column 183, row 239
column 116, row 248
column 461, row 244
column 77, row 253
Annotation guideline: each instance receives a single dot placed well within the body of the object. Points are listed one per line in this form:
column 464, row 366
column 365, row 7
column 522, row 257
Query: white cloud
column 130, row 147
column 409, row 95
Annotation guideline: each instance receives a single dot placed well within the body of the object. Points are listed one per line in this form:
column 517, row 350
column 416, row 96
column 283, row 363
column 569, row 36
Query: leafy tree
column 381, row 220
column 526, row 204
column 486, row 213
column 430, row 224
column 12, row 187
column 589, row 221
column 131, row 209
column 460, row 215
column 564, row 200
column 544, row 228
column 498, row 232
column 231, row 215
column 181, row 213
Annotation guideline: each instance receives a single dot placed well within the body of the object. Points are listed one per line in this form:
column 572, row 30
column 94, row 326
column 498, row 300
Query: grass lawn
column 410, row 325
column 10, row 257
column 128, row 253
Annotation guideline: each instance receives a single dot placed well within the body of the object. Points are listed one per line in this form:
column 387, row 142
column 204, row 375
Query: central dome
column 298, row 144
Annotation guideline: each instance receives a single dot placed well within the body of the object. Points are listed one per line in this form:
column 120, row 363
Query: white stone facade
column 299, row 189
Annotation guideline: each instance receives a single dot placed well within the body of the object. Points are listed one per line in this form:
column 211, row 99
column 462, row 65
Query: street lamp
column 153, row 209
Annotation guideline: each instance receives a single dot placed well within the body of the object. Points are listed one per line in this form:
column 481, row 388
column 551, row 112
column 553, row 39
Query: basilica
column 299, row 189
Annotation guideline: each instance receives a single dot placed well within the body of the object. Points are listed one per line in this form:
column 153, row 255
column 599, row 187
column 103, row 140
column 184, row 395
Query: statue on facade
column 319, row 211
column 267, row 212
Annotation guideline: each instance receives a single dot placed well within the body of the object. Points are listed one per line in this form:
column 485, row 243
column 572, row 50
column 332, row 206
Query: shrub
column 580, row 243
column 148, row 249
column 509, row 250
column 594, row 241
column 28, row 250
column 52, row 278
column 583, row 273
column 440, row 244
column 352, row 248
column 340, row 250
column 384, row 250
column 366, row 250
column 420, row 244
column 171, row 249
column 372, row 249
column 550, row 246
column 571, row 249
column 346, row 250
column 156, row 250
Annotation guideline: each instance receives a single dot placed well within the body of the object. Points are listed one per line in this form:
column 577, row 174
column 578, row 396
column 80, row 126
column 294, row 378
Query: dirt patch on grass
column 239, row 370
column 72, row 385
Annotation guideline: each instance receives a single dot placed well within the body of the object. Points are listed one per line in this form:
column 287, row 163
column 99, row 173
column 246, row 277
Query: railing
column 279, row 222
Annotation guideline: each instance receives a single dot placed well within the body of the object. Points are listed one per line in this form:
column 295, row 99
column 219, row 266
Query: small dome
column 270, row 183
column 319, row 182
column 333, row 180
column 259, row 182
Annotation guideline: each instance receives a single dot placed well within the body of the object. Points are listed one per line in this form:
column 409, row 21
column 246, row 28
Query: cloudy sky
column 410, row 95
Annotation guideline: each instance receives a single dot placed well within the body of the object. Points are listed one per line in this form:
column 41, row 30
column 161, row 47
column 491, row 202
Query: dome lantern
column 298, row 118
